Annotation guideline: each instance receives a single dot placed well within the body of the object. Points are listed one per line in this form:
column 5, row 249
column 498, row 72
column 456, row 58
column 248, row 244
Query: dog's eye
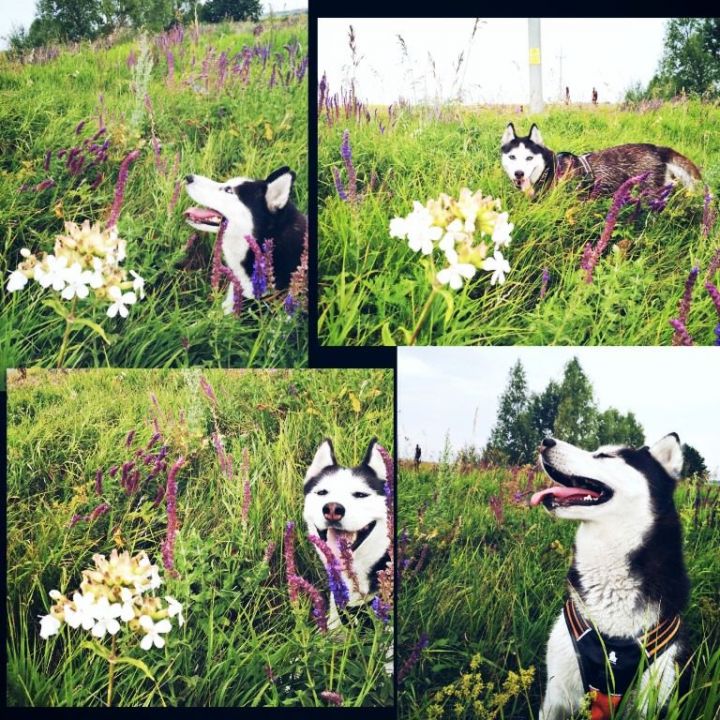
column 360, row 494
column 229, row 189
column 321, row 492
column 602, row 455
column 512, row 157
column 529, row 158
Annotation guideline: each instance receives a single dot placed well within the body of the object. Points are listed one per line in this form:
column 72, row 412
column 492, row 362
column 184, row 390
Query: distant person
column 567, row 95
column 594, row 97
column 418, row 454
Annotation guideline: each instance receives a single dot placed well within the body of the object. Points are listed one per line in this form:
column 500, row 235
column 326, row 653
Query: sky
column 16, row 13
column 609, row 54
column 456, row 391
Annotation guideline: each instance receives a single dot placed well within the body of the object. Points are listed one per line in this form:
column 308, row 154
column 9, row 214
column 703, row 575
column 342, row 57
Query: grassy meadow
column 244, row 643
column 222, row 100
column 373, row 287
column 483, row 578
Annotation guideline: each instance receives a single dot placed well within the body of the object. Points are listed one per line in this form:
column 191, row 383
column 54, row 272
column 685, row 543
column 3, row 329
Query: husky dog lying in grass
column 259, row 208
column 627, row 584
column 348, row 504
column 532, row 166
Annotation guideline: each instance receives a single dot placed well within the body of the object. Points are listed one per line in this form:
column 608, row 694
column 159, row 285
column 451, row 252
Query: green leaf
column 139, row 664
column 97, row 648
column 449, row 302
column 93, row 326
column 387, row 338
column 62, row 310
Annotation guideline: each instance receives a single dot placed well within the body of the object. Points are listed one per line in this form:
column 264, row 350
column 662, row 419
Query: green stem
column 111, row 673
column 66, row 336
column 423, row 315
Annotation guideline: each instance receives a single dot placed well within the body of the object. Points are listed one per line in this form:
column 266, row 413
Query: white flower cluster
column 111, row 592
column 85, row 258
column 452, row 226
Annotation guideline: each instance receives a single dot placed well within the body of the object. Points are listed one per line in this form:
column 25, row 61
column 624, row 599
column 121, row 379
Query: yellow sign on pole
column 534, row 56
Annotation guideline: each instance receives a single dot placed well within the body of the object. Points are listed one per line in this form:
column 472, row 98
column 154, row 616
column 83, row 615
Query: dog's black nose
column 547, row 443
column 519, row 174
column 189, row 178
column 333, row 511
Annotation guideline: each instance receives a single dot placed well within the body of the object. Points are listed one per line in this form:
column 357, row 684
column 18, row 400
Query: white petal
column 146, row 622
column 112, row 311
column 16, row 281
column 49, row 625
column 113, row 626
column 164, row 626
column 99, row 630
column 159, row 641
column 146, row 642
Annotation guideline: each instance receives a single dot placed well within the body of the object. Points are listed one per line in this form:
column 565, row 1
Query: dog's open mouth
column 355, row 538
column 203, row 216
column 571, row 490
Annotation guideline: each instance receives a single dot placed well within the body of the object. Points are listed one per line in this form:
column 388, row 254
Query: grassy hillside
column 374, row 288
column 227, row 100
column 483, row 579
column 243, row 642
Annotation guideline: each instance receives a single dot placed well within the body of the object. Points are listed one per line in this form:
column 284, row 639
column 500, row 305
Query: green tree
column 512, row 436
column 693, row 462
column 614, row 428
column 577, row 416
column 543, row 409
column 217, row 10
column 69, row 20
column 691, row 58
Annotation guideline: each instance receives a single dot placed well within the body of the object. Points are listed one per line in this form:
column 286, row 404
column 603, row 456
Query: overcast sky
column 456, row 391
column 609, row 54
column 16, row 13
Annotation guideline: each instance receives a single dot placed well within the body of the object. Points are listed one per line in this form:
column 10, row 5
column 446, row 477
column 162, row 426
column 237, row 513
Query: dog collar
column 609, row 664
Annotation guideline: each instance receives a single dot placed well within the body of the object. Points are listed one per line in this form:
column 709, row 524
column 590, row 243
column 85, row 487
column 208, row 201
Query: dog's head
column 346, row 502
column 524, row 159
column 243, row 202
column 610, row 482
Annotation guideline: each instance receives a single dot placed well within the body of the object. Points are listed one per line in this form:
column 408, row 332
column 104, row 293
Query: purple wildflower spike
column 99, row 511
column 168, row 547
column 332, row 566
column 339, row 186
column 237, row 290
column 175, row 197
column 129, row 438
column 714, row 265
column 545, row 281
column 684, row 307
column 46, row 162
column 681, row 336
column 207, row 389
column 412, row 660
column 289, row 553
column 381, row 609
column 80, row 126
column 170, row 66
column 44, row 185
column 75, row 519
column 346, row 154
column 621, row 197
column 120, row 187
column 319, row 610
column 709, row 213
column 269, row 552
column 98, row 481
column 259, row 278
column 347, row 560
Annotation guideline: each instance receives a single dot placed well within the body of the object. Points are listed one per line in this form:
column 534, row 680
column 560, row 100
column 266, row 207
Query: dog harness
column 609, row 664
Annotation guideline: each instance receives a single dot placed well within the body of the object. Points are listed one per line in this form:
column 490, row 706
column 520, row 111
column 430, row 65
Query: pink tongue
column 201, row 214
column 561, row 491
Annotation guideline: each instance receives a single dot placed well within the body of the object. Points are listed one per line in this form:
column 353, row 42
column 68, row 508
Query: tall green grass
column 243, row 642
column 246, row 127
column 490, row 583
column 373, row 287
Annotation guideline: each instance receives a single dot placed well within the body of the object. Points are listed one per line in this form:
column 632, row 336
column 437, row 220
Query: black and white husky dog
column 259, row 208
column 627, row 584
column 532, row 166
column 350, row 503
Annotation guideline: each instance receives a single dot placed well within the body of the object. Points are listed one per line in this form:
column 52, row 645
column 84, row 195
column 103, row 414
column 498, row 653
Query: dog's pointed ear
column 668, row 452
column 535, row 135
column 374, row 460
column 324, row 458
column 508, row 135
column 279, row 184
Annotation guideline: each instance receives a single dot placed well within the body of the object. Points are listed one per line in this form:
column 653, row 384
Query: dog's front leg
column 564, row 691
column 234, row 254
column 657, row 682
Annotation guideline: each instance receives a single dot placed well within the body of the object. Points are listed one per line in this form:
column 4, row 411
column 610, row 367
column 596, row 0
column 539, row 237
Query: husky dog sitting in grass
column 532, row 166
column 627, row 585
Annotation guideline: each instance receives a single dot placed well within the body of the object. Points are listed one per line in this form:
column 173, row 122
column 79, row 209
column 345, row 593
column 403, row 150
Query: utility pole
column 536, row 98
